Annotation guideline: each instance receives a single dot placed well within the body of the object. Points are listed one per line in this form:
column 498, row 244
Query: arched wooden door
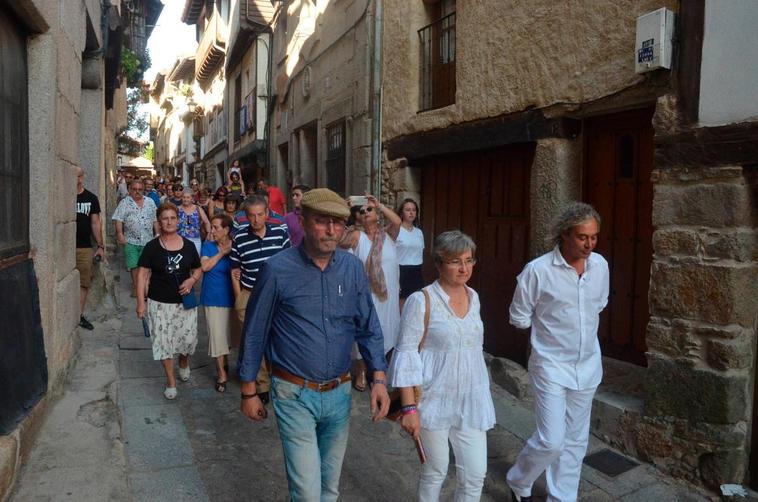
column 486, row 195
column 617, row 171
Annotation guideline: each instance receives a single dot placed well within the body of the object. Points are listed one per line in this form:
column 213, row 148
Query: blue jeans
column 314, row 428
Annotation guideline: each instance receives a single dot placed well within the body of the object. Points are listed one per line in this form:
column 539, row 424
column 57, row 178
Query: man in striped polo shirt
column 253, row 244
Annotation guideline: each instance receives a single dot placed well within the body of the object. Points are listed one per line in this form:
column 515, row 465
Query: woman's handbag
column 190, row 300
column 395, row 403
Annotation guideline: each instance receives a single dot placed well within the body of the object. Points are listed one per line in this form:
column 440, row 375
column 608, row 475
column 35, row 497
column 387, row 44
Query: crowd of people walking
column 333, row 292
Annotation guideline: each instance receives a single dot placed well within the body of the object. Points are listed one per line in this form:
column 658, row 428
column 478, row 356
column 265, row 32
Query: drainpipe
column 376, row 104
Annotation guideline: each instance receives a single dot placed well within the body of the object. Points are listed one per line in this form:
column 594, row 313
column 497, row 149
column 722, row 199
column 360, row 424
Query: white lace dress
column 450, row 366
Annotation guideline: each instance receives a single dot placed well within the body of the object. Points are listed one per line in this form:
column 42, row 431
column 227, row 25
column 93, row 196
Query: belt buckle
column 328, row 385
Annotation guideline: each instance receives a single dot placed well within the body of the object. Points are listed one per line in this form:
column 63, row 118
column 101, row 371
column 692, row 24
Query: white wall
column 729, row 70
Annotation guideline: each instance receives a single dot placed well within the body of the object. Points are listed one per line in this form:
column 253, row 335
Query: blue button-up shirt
column 305, row 320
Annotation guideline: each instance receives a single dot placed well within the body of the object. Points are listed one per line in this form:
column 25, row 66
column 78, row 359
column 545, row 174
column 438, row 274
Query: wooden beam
column 690, row 54
column 28, row 14
column 486, row 133
column 729, row 145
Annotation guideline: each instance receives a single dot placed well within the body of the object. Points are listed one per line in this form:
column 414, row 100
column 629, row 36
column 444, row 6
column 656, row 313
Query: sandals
column 220, row 386
column 169, row 393
column 184, row 373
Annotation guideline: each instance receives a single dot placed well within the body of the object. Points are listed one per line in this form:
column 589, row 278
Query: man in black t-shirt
column 88, row 225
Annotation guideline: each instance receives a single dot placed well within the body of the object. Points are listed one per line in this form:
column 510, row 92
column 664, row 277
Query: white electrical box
column 652, row 49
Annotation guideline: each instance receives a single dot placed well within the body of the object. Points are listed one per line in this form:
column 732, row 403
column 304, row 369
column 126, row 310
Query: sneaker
column 169, row 393
column 84, row 323
column 184, row 373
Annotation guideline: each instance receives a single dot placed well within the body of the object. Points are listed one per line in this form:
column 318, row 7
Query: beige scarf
column 374, row 266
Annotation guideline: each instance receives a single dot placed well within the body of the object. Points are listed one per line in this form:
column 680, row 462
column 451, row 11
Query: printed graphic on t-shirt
column 83, row 208
column 172, row 266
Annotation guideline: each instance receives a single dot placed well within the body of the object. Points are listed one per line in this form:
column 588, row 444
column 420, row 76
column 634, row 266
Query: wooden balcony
column 210, row 51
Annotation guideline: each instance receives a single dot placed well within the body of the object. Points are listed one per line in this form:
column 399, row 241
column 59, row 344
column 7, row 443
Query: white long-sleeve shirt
column 563, row 311
column 450, row 367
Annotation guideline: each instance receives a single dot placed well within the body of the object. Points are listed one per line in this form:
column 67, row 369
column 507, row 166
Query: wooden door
column 486, row 195
column 617, row 170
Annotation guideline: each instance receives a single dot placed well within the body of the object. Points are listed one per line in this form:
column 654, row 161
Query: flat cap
column 324, row 201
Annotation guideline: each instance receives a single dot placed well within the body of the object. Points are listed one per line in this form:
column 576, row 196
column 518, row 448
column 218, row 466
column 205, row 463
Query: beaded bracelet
column 379, row 380
column 408, row 409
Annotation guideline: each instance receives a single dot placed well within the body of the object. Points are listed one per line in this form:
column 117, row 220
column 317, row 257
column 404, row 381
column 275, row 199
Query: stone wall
column 554, row 182
column 701, row 335
column 512, row 56
column 56, row 109
column 702, row 332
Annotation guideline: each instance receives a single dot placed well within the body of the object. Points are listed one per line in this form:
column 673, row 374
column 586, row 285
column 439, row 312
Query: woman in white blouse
column 410, row 250
column 456, row 404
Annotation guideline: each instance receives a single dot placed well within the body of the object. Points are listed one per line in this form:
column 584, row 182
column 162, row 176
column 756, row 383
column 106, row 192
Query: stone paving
column 112, row 436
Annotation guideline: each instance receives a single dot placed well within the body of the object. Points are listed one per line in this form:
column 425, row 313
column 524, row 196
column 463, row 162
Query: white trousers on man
column 558, row 445
column 470, row 450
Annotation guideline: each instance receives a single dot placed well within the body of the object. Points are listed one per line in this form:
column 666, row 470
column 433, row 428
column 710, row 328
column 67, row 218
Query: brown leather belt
column 318, row 387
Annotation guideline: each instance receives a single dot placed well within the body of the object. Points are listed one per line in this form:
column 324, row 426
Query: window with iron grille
column 335, row 156
column 437, row 42
column 14, row 141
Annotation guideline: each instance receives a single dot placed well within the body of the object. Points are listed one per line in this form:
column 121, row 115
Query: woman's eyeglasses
column 470, row 262
column 366, row 210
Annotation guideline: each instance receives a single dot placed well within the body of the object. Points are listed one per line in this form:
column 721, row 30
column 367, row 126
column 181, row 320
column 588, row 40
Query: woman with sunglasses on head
column 441, row 351
column 170, row 265
column 410, row 250
column 373, row 241
column 216, row 206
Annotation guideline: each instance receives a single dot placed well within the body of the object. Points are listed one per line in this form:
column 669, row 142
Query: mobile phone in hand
column 358, row 200
column 145, row 328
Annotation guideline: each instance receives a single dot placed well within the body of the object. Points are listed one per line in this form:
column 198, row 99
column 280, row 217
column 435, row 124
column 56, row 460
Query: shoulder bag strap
column 427, row 313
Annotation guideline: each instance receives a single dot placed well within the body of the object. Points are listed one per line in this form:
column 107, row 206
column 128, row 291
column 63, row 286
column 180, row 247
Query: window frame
column 14, row 109
column 336, row 158
column 437, row 56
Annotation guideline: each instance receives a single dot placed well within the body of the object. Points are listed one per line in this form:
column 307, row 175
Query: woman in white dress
column 374, row 243
column 456, row 403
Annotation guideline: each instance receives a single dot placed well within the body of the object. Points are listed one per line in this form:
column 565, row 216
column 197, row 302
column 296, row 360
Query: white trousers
column 470, row 450
column 558, row 445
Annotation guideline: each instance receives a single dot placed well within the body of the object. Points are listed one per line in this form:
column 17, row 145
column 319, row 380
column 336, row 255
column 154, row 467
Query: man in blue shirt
column 309, row 305
column 150, row 191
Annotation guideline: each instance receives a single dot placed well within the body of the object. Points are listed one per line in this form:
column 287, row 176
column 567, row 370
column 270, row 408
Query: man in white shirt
column 560, row 296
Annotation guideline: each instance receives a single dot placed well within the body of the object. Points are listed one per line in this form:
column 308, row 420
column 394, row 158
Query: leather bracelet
column 379, row 380
column 248, row 396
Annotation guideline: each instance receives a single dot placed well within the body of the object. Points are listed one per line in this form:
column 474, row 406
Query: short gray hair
column 452, row 243
column 254, row 200
column 188, row 191
column 573, row 214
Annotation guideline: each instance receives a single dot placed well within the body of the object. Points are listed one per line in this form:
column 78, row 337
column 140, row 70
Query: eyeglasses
column 469, row 262
column 366, row 210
